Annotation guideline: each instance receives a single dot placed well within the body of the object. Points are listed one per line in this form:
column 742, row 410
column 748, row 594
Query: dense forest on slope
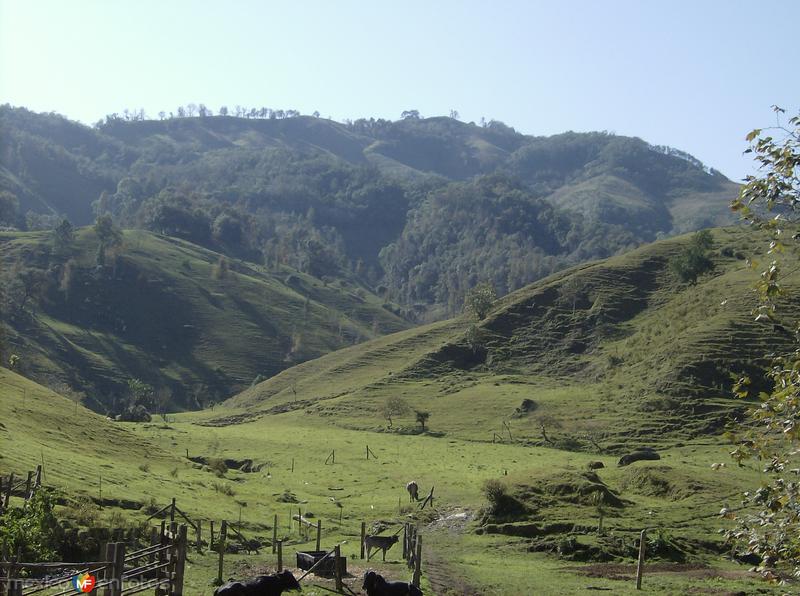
column 420, row 209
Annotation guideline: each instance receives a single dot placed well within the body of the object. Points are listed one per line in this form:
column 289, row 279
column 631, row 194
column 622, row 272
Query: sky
column 696, row 75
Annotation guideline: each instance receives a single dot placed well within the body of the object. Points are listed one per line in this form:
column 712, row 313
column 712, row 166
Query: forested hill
column 420, row 209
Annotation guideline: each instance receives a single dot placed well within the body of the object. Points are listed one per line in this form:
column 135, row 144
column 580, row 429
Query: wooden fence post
column 8, row 489
column 199, row 536
column 338, row 567
column 640, row 564
column 180, row 561
column 211, row 537
column 319, row 533
column 38, row 475
column 280, row 556
column 417, row 563
column 274, row 533
column 223, row 534
column 28, row 485
column 119, row 567
column 154, row 539
column 363, row 537
column 405, row 541
column 172, row 511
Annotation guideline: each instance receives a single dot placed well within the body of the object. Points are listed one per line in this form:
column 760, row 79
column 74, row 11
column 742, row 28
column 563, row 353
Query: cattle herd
column 274, row 585
column 374, row 583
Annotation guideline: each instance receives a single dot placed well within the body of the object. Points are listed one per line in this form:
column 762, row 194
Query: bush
column 495, row 492
column 33, row 530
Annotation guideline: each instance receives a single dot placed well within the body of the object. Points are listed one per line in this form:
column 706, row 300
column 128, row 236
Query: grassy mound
column 660, row 481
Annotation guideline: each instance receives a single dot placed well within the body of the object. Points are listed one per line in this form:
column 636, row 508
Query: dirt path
column 441, row 578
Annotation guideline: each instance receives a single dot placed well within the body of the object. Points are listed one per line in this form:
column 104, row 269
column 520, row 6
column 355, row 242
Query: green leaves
column 694, row 260
column 770, row 525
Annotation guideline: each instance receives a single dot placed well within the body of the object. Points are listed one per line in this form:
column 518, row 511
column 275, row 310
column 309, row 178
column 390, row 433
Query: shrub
column 84, row 511
column 495, row 492
column 33, row 530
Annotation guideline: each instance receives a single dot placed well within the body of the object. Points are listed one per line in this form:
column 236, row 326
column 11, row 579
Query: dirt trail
column 442, row 580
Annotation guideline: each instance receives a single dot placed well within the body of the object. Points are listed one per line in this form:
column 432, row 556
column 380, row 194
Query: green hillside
column 193, row 325
column 377, row 198
column 651, row 357
column 612, row 356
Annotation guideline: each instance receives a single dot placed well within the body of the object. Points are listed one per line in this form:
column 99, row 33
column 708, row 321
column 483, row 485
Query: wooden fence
column 412, row 550
column 12, row 486
column 157, row 568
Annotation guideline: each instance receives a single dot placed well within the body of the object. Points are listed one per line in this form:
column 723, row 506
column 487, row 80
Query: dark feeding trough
column 327, row 568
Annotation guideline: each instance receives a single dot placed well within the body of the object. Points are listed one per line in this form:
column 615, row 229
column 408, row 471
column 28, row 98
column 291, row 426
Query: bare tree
column 394, row 406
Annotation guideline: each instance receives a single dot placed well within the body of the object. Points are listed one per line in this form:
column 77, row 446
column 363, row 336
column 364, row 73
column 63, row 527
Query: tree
column 223, row 111
column 480, row 300
column 454, row 114
column 220, row 270
column 410, row 115
column 770, row 524
column 63, row 236
column 22, row 285
column 108, row 236
column 394, row 406
column 422, row 418
column 693, row 260
column 139, row 393
column 163, row 397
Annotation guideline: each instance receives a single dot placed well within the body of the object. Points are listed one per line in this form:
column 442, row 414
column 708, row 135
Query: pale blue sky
column 696, row 75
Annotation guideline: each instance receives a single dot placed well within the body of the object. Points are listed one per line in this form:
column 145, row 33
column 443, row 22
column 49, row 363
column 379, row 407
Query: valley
column 589, row 364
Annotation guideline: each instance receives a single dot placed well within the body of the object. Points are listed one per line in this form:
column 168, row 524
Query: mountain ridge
column 357, row 191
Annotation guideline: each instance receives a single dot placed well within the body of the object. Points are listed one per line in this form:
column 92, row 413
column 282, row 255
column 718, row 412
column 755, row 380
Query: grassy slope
column 620, row 336
column 653, row 328
column 161, row 316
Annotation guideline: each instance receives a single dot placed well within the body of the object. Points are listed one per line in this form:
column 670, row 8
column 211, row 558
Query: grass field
column 88, row 447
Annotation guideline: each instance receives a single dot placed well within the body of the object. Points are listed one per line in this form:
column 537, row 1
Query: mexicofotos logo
column 84, row 582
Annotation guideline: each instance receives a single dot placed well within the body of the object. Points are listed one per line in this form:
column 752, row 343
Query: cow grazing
column 384, row 543
column 413, row 491
column 263, row 585
column 376, row 585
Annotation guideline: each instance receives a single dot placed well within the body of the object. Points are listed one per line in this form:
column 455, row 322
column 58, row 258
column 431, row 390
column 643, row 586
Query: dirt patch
column 454, row 521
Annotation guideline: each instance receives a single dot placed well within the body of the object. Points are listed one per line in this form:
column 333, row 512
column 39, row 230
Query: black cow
column 263, row 585
column 376, row 585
